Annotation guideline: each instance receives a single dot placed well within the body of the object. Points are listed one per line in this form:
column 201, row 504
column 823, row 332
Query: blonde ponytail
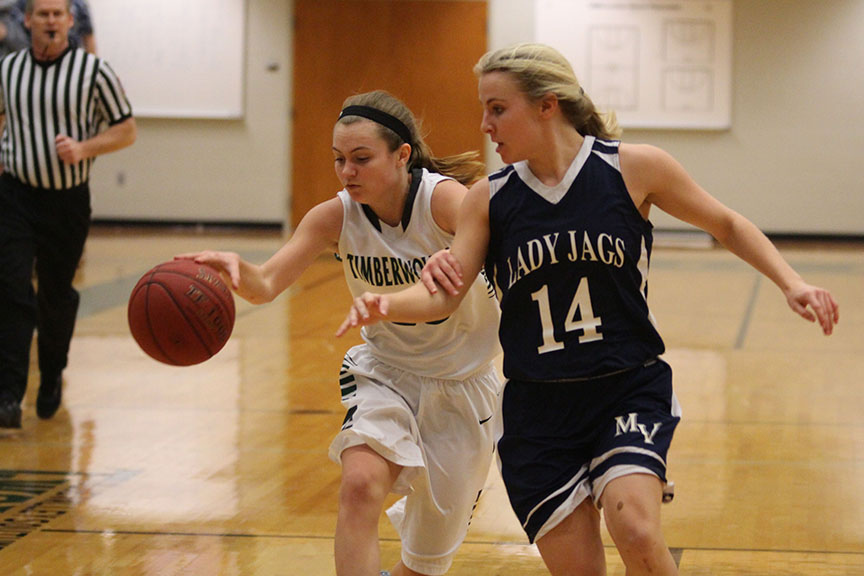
column 541, row 70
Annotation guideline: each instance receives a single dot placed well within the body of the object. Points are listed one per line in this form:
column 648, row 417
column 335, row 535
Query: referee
column 59, row 108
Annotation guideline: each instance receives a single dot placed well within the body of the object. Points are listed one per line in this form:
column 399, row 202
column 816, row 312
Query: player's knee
column 640, row 544
column 361, row 490
column 639, row 539
column 633, row 529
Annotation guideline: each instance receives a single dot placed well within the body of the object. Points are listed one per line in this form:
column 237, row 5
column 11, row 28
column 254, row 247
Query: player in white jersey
column 422, row 399
column 563, row 231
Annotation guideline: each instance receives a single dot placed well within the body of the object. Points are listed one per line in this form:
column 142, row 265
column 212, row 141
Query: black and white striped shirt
column 74, row 95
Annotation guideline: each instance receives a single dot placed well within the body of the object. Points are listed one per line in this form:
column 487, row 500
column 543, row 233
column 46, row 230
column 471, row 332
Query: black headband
column 380, row 117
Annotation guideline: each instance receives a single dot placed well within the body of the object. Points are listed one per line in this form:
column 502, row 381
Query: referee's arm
column 116, row 137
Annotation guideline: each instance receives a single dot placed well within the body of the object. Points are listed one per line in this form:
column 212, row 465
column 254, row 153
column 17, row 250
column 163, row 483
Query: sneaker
column 10, row 414
column 50, row 394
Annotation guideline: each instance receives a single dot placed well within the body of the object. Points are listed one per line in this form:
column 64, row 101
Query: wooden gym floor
column 222, row 469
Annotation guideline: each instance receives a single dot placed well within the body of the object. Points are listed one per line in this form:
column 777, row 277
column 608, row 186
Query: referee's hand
column 69, row 150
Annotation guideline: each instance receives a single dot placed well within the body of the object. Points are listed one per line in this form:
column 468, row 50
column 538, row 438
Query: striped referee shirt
column 76, row 94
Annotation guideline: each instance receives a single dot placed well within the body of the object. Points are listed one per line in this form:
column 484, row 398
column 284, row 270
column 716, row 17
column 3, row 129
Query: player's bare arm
column 655, row 178
column 447, row 269
column 446, row 202
column 318, row 231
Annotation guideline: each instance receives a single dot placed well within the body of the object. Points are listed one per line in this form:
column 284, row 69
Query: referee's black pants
column 45, row 228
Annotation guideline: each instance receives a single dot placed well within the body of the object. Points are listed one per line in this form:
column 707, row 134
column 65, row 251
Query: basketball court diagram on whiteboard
column 657, row 64
column 177, row 59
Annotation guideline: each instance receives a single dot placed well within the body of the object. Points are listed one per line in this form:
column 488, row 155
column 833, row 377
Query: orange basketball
column 181, row 312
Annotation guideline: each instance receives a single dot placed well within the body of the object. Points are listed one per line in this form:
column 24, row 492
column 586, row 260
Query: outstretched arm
column 655, row 178
column 319, row 230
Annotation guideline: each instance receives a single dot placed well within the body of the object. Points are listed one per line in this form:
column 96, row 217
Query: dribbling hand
column 227, row 263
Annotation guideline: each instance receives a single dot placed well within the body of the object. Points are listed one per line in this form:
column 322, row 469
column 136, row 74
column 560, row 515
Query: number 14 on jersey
column 579, row 317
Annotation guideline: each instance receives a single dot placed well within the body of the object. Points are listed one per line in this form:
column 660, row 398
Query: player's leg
column 545, row 455
column 458, row 428
column 631, row 507
column 366, row 480
column 574, row 546
column 379, row 451
column 628, row 470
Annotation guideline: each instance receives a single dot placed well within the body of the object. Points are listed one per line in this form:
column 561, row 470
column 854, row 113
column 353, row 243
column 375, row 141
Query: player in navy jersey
column 563, row 231
column 421, row 399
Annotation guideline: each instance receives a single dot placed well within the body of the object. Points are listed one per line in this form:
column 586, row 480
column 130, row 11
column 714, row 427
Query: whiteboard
column 656, row 63
column 175, row 58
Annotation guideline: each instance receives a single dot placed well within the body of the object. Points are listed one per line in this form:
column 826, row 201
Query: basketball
column 181, row 313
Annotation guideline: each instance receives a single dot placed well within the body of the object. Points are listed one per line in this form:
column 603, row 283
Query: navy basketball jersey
column 570, row 265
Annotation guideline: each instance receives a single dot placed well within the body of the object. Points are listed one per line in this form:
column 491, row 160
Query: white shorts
column 443, row 434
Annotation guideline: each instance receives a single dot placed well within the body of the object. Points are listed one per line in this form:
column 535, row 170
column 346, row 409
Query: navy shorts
column 564, row 441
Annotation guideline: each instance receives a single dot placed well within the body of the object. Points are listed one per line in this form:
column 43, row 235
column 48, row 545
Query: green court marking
column 31, row 499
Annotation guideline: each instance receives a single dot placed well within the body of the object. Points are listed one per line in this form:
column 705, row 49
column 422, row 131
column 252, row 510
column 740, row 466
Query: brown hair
column 541, row 70
column 464, row 168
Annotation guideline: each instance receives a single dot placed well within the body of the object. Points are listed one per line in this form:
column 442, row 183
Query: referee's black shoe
column 50, row 394
column 10, row 413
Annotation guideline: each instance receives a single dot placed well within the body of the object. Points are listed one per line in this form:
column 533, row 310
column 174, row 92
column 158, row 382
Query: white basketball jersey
column 380, row 258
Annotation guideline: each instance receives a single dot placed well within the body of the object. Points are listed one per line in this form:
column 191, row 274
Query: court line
column 748, row 313
column 396, row 540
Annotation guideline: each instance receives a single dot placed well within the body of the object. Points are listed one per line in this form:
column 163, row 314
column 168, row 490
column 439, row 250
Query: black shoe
column 50, row 394
column 10, row 414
